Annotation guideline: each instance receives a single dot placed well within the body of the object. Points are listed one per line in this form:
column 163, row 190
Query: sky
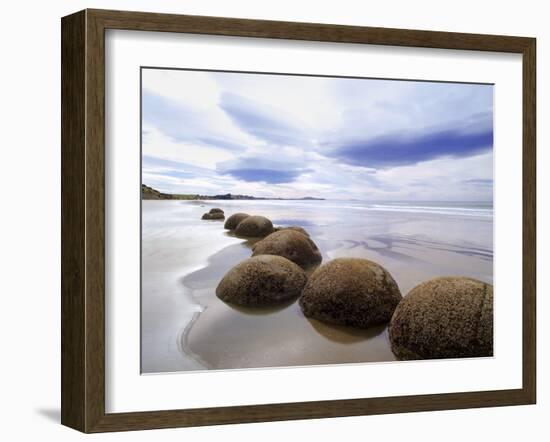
column 286, row 136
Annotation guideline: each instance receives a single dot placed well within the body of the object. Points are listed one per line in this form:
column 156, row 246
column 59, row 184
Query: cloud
column 293, row 136
column 158, row 168
column 261, row 120
column 149, row 161
column 156, row 144
column 441, row 179
column 377, row 108
column 404, row 148
column 479, row 182
column 265, row 175
column 254, row 169
column 184, row 124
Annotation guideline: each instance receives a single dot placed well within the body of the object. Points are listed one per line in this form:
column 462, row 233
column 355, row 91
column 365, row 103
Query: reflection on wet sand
column 228, row 336
column 214, row 335
column 346, row 335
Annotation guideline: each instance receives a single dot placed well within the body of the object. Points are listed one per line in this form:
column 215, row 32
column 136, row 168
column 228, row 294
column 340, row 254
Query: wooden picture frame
column 83, row 219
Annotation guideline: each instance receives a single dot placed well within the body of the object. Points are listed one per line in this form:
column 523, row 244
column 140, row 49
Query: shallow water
column 186, row 327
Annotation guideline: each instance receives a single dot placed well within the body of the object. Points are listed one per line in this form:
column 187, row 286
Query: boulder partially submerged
column 213, row 216
column 262, row 280
column 350, row 291
column 233, row 221
column 449, row 317
column 254, row 227
column 290, row 244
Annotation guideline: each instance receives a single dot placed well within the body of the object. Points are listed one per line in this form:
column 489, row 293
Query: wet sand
column 186, row 327
column 229, row 336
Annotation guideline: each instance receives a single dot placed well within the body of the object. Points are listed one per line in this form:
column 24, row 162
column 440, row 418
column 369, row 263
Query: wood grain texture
column 95, row 221
column 73, row 258
column 145, row 21
column 529, row 219
column 83, row 219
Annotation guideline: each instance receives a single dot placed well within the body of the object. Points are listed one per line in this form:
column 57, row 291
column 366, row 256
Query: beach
column 184, row 326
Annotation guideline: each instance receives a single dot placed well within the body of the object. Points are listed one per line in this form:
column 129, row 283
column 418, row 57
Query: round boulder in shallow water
column 350, row 291
column 213, row 216
column 450, row 317
column 254, row 227
column 289, row 244
column 216, row 210
column 262, row 280
column 233, row 221
column 295, row 228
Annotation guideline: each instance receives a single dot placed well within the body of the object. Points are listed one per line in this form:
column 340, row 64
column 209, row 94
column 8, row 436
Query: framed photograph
column 270, row 220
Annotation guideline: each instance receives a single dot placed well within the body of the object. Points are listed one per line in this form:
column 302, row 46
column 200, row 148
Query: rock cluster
column 449, row 317
column 233, row 221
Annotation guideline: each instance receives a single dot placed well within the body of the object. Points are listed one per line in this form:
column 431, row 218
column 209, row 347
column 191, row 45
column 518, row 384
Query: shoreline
column 183, row 337
column 212, row 335
column 167, row 308
column 318, row 343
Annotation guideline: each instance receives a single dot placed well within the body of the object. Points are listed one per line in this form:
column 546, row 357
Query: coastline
column 171, row 246
column 213, row 335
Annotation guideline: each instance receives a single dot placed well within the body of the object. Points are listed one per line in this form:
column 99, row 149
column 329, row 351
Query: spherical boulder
column 262, row 280
column 216, row 210
column 213, row 216
column 295, row 228
column 350, row 291
column 450, row 317
column 254, row 227
column 289, row 244
column 233, row 221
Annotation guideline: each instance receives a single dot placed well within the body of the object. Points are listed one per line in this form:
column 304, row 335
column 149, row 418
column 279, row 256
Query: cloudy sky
column 336, row 138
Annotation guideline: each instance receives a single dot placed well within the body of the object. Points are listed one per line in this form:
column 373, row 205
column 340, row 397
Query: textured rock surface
column 254, row 227
column 215, row 210
column 296, row 228
column 290, row 244
column 449, row 317
column 350, row 291
column 262, row 280
column 213, row 216
column 233, row 221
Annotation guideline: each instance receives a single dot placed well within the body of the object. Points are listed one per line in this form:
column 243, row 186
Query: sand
column 186, row 327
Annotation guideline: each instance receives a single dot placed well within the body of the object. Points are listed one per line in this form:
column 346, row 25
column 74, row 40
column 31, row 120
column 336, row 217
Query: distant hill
column 148, row 193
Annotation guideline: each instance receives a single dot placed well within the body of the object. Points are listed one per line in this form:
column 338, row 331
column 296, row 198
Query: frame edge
column 529, row 220
column 83, row 318
column 73, row 208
